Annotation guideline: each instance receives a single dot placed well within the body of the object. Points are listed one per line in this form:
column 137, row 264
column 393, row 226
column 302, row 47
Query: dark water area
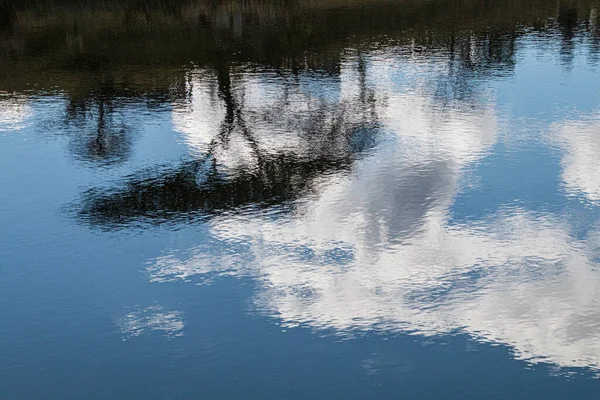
column 328, row 199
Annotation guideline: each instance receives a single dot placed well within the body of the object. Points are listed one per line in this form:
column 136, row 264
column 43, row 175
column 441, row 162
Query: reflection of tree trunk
column 224, row 84
column 101, row 129
column 362, row 82
column 567, row 21
column 366, row 97
column 233, row 111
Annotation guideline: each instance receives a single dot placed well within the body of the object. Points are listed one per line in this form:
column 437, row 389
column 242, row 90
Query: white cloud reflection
column 15, row 113
column 376, row 250
column 152, row 319
column 580, row 142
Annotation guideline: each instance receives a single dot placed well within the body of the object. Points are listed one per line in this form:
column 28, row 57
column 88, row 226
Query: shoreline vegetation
column 80, row 38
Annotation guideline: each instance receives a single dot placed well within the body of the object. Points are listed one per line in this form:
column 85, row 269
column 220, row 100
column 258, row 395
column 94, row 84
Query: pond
column 333, row 199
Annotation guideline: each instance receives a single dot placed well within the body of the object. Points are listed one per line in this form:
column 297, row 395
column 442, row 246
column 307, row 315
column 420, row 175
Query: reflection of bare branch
column 198, row 188
column 331, row 133
column 98, row 130
column 249, row 137
column 184, row 193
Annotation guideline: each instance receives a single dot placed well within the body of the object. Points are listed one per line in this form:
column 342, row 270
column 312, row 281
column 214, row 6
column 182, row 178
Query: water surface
column 300, row 200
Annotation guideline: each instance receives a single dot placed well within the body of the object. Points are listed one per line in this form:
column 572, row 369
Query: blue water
column 397, row 215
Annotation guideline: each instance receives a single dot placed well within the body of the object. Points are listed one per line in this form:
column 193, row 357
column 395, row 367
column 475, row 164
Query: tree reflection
column 335, row 132
column 333, row 135
column 108, row 77
column 474, row 59
column 568, row 23
column 102, row 137
column 101, row 116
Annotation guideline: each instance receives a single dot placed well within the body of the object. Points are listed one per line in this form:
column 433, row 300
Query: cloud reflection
column 580, row 142
column 152, row 319
column 14, row 113
column 376, row 249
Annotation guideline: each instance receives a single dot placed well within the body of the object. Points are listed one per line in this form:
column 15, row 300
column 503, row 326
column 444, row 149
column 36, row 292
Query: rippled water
column 300, row 200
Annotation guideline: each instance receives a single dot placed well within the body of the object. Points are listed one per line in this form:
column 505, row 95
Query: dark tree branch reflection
column 108, row 77
column 100, row 135
column 334, row 133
